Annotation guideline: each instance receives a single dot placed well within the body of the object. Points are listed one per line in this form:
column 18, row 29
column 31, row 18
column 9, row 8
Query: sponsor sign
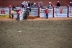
column 61, row 11
column 4, row 12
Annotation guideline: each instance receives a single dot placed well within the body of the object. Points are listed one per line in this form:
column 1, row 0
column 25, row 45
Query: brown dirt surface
column 36, row 33
column 31, row 17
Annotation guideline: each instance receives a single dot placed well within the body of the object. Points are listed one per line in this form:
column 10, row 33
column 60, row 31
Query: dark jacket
column 28, row 4
column 58, row 4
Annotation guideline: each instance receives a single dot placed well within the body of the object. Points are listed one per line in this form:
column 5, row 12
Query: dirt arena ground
column 36, row 33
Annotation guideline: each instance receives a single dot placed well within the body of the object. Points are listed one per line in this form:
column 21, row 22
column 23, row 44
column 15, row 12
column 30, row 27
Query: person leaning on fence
column 12, row 12
column 34, row 5
column 58, row 4
column 41, row 5
column 26, row 4
column 29, row 4
column 46, row 12
column 71, row 4
column 49, row 5
column 23, row 4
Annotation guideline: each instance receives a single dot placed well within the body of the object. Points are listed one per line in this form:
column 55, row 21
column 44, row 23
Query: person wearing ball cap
column 46, row 12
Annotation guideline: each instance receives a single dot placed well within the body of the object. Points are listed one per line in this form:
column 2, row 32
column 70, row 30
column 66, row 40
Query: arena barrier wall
column 60, row 11
column 70, row 11
column 4, row 12
column 34, row 12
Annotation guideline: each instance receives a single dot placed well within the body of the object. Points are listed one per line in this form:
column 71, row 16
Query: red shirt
column 46, row 11
column 17, row 12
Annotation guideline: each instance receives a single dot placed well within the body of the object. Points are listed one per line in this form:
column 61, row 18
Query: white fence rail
column 70, row 11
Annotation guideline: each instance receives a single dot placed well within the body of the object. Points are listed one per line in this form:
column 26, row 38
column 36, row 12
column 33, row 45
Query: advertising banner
column 4, row 12
column 61, row 11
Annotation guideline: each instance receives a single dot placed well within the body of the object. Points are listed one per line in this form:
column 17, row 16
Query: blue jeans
column 46, row 15
column 17, row 17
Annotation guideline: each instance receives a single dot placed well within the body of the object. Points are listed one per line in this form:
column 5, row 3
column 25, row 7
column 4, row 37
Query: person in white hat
column 26, row 4
column 23, row 4
column 49, row 2
column 34, row 5
column 41, row 4
column 58, row 4
column 49, row 5
column 71, row 4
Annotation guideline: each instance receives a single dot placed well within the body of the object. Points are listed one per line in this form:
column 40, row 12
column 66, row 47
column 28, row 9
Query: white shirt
column 23, row 3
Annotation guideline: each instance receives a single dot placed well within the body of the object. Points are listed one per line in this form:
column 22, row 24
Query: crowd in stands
column 40, row 4
column 28, row 4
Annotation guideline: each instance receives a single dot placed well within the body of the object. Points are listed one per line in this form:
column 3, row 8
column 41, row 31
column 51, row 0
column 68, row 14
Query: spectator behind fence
column 71, row 4
column 41, row 5
column 26, row 4
column 29, row 4
column 58, row 4
column 49, row 5
column 38, row 5
column 23, row 4
column 34, row 5
column 13, row 8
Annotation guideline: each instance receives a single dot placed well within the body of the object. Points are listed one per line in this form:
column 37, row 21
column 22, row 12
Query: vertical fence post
column 10, row 8
column 68, row 11
column 53, row 10
column 38, row 10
